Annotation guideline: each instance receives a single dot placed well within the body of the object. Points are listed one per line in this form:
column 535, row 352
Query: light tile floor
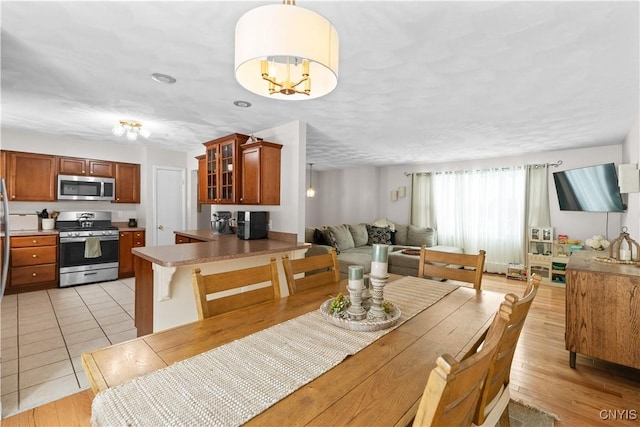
column 45, row 332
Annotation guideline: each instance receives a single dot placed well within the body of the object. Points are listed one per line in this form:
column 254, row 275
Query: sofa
column 353, row 243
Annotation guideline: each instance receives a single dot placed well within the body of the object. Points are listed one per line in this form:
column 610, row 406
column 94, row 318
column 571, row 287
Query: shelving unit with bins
column 517, row 271
column 540, row 253
column 559, row 260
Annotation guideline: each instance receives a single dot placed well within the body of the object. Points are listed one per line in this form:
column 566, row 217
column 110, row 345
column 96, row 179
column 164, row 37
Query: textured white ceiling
column 419, row 82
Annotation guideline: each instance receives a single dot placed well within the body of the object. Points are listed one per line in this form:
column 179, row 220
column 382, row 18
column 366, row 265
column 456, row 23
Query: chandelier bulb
column 118, row 130
column 132, row 135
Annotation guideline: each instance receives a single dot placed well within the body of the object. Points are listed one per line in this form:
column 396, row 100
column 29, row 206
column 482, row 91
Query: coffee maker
column 221, row 222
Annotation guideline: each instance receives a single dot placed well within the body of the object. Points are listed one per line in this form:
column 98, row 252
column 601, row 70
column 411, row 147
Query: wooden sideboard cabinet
column 602, row 310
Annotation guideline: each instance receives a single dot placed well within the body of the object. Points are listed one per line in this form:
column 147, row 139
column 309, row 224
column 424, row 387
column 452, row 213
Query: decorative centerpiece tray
column 367, row 324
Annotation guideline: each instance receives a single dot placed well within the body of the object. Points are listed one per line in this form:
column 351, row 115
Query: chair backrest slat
column 500, row 367
column 453, row 388
column 447, row 265
column 205, row 285
column 318, row 270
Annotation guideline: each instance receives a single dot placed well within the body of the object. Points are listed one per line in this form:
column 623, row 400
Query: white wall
column 363, row 194
column 631, row 154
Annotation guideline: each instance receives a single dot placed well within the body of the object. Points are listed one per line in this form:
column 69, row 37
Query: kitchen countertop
column 219, row 247
column 19, row 233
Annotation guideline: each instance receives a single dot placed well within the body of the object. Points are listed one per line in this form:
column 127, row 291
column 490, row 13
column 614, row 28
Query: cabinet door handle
column 34, row 256
column 34, row 241
column 33, row 274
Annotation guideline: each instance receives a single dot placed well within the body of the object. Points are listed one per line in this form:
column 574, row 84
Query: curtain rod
column 558, row 163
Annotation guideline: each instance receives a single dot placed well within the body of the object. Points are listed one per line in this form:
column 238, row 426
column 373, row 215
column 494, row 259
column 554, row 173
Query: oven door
column 72, row 251
column 77, row 269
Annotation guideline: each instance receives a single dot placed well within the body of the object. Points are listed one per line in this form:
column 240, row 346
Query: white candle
column 356, row 277
column 625, row 255
column 379, row 260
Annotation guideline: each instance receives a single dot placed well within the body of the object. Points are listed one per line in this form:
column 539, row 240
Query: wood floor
column 595, row 393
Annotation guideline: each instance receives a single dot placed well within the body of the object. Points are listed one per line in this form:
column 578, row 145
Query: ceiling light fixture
column 242, row 104
column 131, row 128
column 286, row 52
column 163, row 78
column 311, row 192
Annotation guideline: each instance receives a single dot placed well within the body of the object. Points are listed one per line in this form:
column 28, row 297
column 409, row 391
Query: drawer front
column 181, row 239
column 33, row 256
column 26, row 241
column 138, row 239
column 34, row 274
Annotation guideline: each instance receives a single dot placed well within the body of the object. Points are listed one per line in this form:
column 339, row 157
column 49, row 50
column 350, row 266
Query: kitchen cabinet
column 30, row 177
column 184, row 239
column 127, row 183
column 88, row 167
column 33, row 263
column 260, row 170
column 202, row 178
column 221, row 169
column 128, row 241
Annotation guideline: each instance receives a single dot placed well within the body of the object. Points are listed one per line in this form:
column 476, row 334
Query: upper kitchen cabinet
column 202, row 178
column 127, row 183
column 88, row 167
column 260, row 168
column 30, row 177
column 221, row 174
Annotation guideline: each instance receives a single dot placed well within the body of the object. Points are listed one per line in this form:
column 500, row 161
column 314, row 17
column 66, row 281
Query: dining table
column 378, row 382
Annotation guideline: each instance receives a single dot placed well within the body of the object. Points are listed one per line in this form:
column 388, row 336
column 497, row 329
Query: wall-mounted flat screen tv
column 591, row 189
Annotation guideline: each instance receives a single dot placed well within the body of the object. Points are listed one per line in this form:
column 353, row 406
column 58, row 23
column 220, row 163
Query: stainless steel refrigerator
column 4, row 226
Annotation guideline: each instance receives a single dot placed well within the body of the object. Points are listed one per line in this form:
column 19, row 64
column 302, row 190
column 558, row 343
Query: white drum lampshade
column 284, row 36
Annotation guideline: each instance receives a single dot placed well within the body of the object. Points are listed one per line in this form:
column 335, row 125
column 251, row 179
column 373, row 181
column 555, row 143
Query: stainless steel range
column 88, row 248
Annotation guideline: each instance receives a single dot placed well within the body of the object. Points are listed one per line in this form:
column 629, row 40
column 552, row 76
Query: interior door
column 170, row 203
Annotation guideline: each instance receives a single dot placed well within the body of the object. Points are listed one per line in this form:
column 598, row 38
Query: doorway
column 170, row 202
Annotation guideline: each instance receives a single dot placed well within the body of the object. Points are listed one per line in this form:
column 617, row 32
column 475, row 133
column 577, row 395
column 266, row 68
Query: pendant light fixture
column 311, row 192
column 283, row 51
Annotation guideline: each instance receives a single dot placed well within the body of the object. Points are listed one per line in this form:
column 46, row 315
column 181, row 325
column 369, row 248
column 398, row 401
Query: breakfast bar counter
column 164, row 295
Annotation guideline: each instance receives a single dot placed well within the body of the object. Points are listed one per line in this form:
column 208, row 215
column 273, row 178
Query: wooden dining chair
column 447, row 265
column 493, row 405
column 204, row 285
column 318, row 270
column 453, row 388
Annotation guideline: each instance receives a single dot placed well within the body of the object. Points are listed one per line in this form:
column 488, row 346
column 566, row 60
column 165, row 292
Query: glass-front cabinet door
column 221, row 178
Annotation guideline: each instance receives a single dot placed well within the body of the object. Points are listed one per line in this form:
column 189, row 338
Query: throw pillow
column 331, row 240
column 319, row 237
column 421, row 236
column 393, row 237
column 378, row 235
column 360, row 234
column 401, row 234
column 342, row 235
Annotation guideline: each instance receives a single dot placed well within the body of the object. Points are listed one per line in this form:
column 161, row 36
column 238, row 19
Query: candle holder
column 377, row 312
column 366, row 293
column 355, row 288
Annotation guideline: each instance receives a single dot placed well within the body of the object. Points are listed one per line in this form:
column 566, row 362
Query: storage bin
column 20, row 222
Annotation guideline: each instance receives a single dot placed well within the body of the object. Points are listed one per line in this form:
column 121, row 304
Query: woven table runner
column 230, row 384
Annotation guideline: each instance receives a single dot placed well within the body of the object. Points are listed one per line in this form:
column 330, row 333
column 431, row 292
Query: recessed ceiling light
column 242, row 104
column 163, row 78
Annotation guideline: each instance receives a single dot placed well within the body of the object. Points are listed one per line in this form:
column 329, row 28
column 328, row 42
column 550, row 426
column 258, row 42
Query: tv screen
column 592, row 189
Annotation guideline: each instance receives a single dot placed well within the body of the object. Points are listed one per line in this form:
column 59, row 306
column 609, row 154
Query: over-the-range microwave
column 74, row 187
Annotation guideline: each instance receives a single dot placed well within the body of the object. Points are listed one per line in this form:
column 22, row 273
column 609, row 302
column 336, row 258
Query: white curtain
column 422, row 214
column 483, row 209
column 538, row 212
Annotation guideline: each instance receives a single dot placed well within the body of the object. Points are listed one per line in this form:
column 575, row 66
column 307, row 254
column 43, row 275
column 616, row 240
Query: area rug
column 523, row 415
